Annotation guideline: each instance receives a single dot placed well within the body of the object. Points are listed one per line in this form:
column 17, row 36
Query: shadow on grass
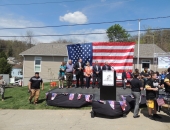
column 8, row 97
column 165, row 118
column 41, row 100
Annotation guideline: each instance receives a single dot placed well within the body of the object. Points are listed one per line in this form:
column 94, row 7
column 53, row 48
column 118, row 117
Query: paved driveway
column 76, row 120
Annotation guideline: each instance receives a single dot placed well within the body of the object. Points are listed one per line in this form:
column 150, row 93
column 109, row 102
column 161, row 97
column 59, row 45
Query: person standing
column 162, row 77
column 61, row 75
column 88, row 73
column 136, row 87
column 145, row 75
column 151, row 94
column 34, row 87
column 167, row 82
column 79, row 67
column 126, row 78
column 106, row 66
column 96, row 74
column 69, row 74
column 2, row 87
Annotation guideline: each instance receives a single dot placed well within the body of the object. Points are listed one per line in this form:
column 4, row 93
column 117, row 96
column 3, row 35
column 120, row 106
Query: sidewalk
column 75, row 120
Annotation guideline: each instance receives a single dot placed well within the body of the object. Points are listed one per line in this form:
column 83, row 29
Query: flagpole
column 138, row 45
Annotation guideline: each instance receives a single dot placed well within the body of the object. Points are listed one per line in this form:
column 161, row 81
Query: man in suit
column 106, row 66
column 126, row 78
column 79, row 67
column 96, row 74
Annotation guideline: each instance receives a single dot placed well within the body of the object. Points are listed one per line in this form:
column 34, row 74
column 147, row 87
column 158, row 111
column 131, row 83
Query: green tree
column 3, row 55
column 5, row 68
column 117, row 33
column 10, row 52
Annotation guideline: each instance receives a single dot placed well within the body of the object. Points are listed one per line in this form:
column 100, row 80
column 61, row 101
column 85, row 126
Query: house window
column 37, row 64
column 65, row 59
column 146, row 64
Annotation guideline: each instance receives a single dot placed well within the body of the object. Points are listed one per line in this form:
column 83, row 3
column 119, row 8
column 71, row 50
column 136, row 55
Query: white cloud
column 14, row 21
column 74, row 18
column 18, row 22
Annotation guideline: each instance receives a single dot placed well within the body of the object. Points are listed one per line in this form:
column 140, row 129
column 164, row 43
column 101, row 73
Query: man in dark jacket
column 79, row 67
column 96, row 74
column 136, row 87
column 126, row 77
column 106, row 66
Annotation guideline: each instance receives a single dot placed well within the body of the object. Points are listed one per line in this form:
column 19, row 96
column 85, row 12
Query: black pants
column 94, row 80
column 79, row 77
column 162, row 81
column 88, row 81
column 69, row 78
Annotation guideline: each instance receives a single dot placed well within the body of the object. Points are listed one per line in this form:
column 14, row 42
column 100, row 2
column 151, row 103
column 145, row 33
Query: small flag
column 122, row 105
column 112, row 104
column 124, row 100
column 53, row 96
column 71, row 96
column 131, row 96
column 87, row 98
column 79, row 96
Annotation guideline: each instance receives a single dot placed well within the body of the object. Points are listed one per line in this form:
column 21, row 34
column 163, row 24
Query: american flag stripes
column 119, row 55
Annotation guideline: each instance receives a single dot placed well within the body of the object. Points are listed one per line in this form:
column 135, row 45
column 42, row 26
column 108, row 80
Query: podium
column 108, row 85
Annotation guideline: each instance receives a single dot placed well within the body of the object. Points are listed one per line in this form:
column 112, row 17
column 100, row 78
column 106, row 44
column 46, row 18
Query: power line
column 36, row 3
column 60, row 35
column 57, row 26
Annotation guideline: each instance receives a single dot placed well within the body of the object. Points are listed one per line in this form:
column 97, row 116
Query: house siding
column 49, row 68
column 152, row 66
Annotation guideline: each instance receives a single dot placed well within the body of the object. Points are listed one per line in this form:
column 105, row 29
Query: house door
column 145, row 64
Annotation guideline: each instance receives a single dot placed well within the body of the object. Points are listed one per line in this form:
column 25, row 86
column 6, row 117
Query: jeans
column 137, row 101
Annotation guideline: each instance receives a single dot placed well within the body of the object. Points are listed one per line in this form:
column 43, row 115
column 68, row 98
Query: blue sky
column 78, row 12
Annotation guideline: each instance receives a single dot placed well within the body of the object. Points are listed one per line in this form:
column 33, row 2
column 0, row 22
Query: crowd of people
column 151, row 82
column 81, row 71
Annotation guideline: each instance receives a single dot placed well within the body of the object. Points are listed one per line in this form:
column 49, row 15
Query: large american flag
column 118, row 54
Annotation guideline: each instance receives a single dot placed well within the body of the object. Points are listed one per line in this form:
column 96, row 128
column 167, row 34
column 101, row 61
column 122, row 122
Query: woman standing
column 88, row 73
column 61, row 74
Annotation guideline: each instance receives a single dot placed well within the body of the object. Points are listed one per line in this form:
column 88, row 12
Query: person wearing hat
column 34, row 87
column 88, row 73
column 2, row 87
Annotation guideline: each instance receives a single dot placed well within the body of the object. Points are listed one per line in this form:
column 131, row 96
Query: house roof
column 147, row 50
column 47, row 49
column 54, row 49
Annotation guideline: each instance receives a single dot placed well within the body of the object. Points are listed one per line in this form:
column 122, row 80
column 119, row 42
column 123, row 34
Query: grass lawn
column 17, row 98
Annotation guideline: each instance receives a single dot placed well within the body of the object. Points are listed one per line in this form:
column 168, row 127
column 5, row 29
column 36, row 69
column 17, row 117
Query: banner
column 118, row 54
column 163, row 62
column 107, row 78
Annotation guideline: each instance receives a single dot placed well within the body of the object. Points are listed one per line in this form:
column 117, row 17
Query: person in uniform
column 2, row 87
